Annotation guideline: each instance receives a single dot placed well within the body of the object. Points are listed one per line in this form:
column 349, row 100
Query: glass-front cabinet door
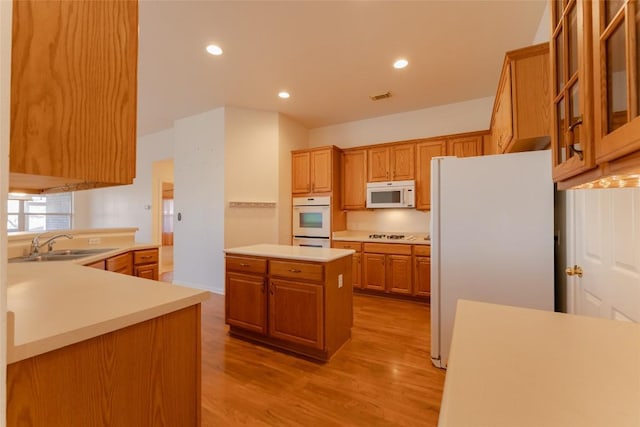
column 572, row 93
column 616, row 53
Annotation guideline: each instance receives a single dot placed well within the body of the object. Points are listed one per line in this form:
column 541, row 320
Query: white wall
column 251, row 175
column 126, row 205
column 5, row 90
column 448, row 119
column 199, row 199
column 293, row 136
column 543, row 34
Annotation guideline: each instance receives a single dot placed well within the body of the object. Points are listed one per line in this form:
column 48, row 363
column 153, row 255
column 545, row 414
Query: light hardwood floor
column 382, row 377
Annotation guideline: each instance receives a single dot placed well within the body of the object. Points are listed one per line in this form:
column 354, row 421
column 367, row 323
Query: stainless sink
column 61, row 255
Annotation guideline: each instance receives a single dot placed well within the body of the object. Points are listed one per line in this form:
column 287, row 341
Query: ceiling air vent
column 380, row 96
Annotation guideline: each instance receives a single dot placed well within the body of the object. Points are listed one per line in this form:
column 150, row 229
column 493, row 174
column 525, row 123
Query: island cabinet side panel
column 147, row 374
column 338, row 303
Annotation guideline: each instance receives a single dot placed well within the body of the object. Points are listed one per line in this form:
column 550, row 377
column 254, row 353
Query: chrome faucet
column 35, row 243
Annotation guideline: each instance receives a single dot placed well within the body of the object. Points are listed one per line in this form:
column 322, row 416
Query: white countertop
column 521, row 367
column 301, row 253
column 58, row 303
column 363, row 236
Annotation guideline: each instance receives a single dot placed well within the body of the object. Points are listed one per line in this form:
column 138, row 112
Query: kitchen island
column 91, row 347
column 513, row 366
column 295, row 298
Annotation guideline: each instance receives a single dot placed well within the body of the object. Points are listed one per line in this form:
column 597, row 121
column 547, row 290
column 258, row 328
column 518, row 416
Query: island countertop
column 513, row 366
column 301, row 253
column 55, row 304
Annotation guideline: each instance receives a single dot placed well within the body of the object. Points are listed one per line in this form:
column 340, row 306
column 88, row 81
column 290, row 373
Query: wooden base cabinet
column 356, row 269
column 145, row 263
column 147, row 374
column 306, row 308
column 387, row 268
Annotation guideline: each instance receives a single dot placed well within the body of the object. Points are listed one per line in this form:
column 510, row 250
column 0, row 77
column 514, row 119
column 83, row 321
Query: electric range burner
column 386, row 236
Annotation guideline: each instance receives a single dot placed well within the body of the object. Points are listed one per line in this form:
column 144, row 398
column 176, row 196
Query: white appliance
column 312, row 242
column 391, row 194
column 312, row 217
column 492, row 236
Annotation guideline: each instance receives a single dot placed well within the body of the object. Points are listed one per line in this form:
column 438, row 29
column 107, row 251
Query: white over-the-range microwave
column 391, row 194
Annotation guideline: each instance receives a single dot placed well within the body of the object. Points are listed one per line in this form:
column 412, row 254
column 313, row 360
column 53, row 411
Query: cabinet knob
column 242, row 264
column 576, row 270
column 293, row 270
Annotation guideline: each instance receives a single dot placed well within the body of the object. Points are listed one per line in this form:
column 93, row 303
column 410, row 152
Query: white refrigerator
column 492, row 228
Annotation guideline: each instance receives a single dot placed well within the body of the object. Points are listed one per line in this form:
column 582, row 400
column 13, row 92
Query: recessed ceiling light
column 400, row 63
column 214, row 50
column 284, row 94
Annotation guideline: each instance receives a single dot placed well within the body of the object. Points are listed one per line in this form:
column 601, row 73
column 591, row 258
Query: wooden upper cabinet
column 521, row 114
column 391, row 163
column 425, row 151
column 616, row 48
column 73, row 94
column 571, row 89
column 312, row 171
column 354, row 179
column 465, row 146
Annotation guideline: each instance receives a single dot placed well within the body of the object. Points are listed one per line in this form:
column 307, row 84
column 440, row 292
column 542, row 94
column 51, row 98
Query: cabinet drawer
column 422, row 250
column 246, row 265
column 120, row 264
column 296, row 270
column 388, row 248
column 356, row 246
column 146, row 256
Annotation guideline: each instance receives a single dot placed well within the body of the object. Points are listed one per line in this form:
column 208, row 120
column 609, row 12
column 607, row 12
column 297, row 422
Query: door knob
column 576, row 270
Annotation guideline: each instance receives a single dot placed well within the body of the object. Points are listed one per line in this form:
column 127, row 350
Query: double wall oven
column 312, row 221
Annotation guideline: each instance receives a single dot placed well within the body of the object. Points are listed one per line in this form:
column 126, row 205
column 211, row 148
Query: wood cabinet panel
column 422, row 276
column 73, row 94
column 422, row 250
column 248, row 293
column 426, row 151
column 301, row 173
column 403, row 162
column 339, row 244
column 467, row 146
column 246, row 264
column 378, row 164
column 374, row 268
column 391, row 163
column 321, row 171
column 388, row 248
column 122, row 263
column 100, row 265
column 399, row 274
column 297, row 270
column 356, row 263
column 147, row 374
column 354, row 180
column 296, row 312
column 145, row 256
column 149, row 271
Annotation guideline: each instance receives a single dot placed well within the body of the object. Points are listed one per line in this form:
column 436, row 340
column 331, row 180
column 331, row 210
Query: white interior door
column 607, row 248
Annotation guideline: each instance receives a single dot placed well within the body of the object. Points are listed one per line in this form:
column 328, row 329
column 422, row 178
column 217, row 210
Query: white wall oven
column 311, row 220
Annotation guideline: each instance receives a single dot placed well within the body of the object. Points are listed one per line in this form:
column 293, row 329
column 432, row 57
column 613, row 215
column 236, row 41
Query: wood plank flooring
column 382, row 377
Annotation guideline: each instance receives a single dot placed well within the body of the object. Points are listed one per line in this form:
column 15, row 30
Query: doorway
column 163, row 209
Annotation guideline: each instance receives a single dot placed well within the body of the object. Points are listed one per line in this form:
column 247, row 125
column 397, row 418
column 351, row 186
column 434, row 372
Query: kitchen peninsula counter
column 513, row 366
column 87, row 345
column 295, row 298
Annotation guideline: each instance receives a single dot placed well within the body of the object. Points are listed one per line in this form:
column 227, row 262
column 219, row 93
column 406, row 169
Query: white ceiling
column 331, row 56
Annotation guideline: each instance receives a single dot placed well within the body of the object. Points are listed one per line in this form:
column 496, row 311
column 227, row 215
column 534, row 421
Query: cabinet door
column 402, row 162
column 503, row 125
column 301, row 173
column 321, row 172
column 378, row 164
column 617, row 78
column 356, row 270
column 572, row 117
column 374, row 272
column 422, row 276
column 148, row 271
column 424, row 153
column 73, row 93
column 246, row 302
column 354, row 180
column 465, row 146
column 296, row 312
column 399, row 274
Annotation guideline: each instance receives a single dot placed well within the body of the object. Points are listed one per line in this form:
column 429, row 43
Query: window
column 39, row 212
